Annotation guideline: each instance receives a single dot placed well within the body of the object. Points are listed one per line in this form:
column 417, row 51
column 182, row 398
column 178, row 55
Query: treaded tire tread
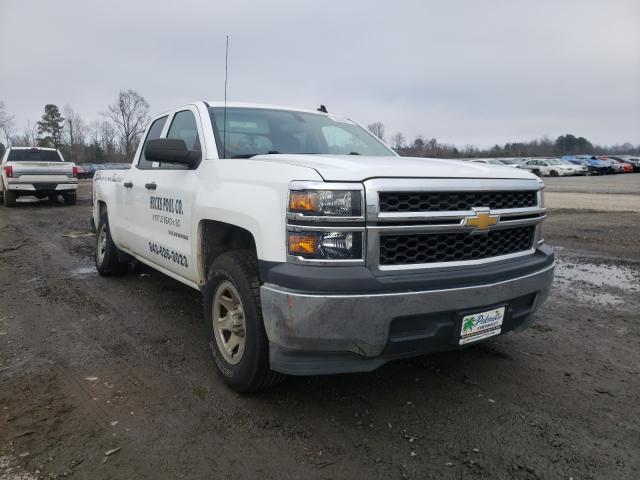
column 245, row 264
column 9, row 198
column 69, row 199
column 111, row 265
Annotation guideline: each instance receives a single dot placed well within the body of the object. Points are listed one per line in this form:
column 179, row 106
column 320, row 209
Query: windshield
column 553, row 162
column 33, row 155
column 258, row 131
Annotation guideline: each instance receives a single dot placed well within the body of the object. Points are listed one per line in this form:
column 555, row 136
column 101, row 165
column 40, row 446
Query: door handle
column 127, row 184
column 150, row 186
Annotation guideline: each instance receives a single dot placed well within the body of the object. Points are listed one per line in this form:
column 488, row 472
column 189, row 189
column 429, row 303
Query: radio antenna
column 226, row 72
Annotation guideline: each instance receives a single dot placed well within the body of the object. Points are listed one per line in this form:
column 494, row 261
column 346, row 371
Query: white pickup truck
column 317, row 249
column 39, row 172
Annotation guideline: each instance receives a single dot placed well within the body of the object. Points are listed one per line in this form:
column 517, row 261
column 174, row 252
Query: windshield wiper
column 249, row 155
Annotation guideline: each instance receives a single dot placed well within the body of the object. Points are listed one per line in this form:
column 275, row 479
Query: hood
column 356, row 168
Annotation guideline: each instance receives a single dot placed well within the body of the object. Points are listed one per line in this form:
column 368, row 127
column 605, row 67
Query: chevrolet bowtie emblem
column 482, row 220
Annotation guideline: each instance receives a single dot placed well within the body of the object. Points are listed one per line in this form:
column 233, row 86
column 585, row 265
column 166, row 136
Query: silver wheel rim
column 229, row 326
column 102, row 245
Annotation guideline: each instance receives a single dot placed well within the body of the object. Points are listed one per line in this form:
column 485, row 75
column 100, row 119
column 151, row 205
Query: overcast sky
column 477, row 72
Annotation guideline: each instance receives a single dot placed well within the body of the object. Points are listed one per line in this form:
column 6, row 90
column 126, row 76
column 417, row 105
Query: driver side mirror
column 171, row 150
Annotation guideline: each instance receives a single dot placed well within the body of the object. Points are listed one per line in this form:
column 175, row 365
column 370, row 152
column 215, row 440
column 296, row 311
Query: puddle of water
column 78, row 272
column 79, row 234
column 612, row 276
column 596, row 284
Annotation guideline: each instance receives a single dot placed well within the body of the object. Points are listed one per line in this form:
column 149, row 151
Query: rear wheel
column 235, row 328
column 69, row 198
column 107, row 260
column 10, row 198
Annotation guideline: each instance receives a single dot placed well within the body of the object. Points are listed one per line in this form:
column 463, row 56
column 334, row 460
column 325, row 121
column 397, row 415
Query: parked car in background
column 81, row 171
column 39, row 172
column 634, row 162
column 491, row 161
column 622, row 167
column 549, row 167
column 591, row 169
column 89, row 170
column 598, row 166
column 578, row 168
column 614, row 166
column 501, row 163
column 511, row 162
column 517, row 163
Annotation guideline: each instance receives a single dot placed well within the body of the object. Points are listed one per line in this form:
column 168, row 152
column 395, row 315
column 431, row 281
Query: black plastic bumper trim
column 318, row 279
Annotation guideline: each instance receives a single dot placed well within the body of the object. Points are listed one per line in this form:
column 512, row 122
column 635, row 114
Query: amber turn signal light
column 302, row 244
column 303, row 202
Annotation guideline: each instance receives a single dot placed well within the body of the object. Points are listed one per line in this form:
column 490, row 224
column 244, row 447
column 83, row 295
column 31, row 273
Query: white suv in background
column 549, row 168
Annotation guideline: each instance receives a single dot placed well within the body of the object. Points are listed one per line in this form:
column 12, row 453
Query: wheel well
column 217, row 238
column 102, row 208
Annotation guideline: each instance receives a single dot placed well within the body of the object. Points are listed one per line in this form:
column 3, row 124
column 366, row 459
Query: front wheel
column 553, row 173
column 235, row 328
column 107, row 261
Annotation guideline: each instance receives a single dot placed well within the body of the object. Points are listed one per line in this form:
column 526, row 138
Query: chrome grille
column 419, row 223
column 424, row 248
column 455, row 201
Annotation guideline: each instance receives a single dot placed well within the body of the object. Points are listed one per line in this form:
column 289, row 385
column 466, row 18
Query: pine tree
column 51, row 127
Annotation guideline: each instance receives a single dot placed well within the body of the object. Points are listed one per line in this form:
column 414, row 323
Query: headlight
column 325, row 245
column 325, row 203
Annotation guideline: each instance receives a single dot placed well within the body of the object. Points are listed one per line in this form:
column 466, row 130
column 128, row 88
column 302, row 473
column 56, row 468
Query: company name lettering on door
column 165, row 204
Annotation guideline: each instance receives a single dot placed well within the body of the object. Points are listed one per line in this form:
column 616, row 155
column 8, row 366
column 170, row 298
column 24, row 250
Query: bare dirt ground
column 111, row 378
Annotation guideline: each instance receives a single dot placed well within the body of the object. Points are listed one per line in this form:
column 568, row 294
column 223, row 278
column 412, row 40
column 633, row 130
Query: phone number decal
column 168, row 254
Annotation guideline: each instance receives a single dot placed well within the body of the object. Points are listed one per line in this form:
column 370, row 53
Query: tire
column 553, row 173
column 108, row 263
column 233, row 280
column 69, row 199
column 10, row 198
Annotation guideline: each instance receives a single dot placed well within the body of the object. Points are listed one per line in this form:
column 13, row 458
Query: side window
column 184, row 127
column 154, row 132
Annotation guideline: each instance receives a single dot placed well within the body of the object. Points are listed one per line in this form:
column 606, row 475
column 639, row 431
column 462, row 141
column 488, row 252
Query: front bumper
column 320, row 333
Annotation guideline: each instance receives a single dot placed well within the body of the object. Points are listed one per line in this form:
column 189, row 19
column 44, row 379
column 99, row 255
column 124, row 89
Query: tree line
column 567, row 144
column 115, row 136
column 112, row 138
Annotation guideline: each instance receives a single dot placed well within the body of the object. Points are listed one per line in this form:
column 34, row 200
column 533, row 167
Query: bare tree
column 108, row 140
column 6, row 124
column 28, row 138
column 377, row 128
column 397, row 141
column 74, row 133
column 130, row 114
